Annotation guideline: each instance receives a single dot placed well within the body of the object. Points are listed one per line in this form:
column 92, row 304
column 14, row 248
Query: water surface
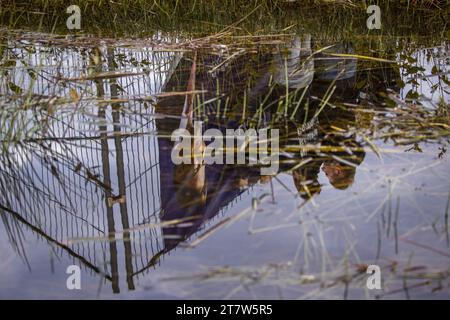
column 87, row 178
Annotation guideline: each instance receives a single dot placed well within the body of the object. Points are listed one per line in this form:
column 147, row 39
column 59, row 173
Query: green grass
column 137, row 17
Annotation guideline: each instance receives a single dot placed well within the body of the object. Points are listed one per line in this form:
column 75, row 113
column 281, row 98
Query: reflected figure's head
column 306, row 181
column 341, row 176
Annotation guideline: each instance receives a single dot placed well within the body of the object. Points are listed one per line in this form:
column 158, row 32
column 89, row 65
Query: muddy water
column 87, row 176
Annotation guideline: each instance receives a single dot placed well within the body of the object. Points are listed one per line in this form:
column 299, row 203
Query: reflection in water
column 202, row 190
column 102, row 176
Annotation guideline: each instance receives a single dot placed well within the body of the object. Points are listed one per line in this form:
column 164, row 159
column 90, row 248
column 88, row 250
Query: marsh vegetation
column 86, row 175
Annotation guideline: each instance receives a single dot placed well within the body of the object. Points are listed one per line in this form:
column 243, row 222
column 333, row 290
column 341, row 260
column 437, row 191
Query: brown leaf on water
column 74, row 95
column 361, row 268
column 78, row 167
column 116, row 199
